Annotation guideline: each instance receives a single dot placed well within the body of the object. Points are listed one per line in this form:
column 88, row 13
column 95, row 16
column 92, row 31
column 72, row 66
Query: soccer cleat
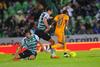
column 54, row 57
column 66, row 55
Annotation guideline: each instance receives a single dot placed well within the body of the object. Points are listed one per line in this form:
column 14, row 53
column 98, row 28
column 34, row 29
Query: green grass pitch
column 83, row 59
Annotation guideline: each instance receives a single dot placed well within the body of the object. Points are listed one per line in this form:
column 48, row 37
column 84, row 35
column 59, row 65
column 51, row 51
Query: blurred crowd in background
column 18, row 15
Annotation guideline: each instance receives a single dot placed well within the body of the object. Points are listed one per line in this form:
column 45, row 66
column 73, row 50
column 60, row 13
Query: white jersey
column 41, row 24
column 30, row 43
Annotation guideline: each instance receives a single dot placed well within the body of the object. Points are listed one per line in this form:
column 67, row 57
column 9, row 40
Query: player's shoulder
column 35, row 35
column 57, row 15
column 45, row 13
column 66, row 16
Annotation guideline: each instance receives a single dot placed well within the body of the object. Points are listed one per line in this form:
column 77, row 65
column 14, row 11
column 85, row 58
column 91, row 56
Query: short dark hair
column 27, row 31
column 65, row 11
column 49, row 9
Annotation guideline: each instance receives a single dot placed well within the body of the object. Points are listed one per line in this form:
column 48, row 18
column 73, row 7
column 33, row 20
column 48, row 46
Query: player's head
column 65, row 12
column 27, row 33
column 50, row 11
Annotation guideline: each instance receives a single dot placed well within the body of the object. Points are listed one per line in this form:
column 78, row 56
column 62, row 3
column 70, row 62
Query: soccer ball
column 73, row 54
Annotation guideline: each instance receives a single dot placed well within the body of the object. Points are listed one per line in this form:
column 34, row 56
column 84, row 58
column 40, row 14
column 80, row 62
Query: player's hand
column 47, row 30
column 51, row 26
column 51, row 17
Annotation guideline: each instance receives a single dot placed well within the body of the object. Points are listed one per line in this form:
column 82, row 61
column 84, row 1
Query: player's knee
column 61, row 44
column 52, row 42
column 32, row 57
column 17, row 56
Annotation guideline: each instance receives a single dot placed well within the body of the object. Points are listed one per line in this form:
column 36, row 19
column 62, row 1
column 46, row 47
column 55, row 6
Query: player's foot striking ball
column 66, row 54
column 61, row 21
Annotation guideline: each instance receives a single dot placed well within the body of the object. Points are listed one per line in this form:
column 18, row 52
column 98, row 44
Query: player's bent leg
column 16, row 58
column 32, row 55
column 26, row 54
column 19, row 56
column 52, row 42
column 61, row 40
column 50, row 47
column 48, row 38
column 53, row 55
column 66, row 51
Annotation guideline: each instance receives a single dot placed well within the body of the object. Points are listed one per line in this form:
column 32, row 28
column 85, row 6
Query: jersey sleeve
column 32, row 32
column 56, row 18
column 37, row 38
column 46, row 16
column 67, row 18
column 23, row 42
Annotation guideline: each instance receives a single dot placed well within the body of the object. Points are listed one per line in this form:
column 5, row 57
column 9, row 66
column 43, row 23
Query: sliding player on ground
column 29, row 42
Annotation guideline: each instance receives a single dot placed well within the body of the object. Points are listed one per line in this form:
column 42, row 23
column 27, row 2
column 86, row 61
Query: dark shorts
column 43, row 35
column 27, row 53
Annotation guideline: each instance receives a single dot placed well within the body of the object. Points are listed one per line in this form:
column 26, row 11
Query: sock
column 65, row 48
column 52, row 51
